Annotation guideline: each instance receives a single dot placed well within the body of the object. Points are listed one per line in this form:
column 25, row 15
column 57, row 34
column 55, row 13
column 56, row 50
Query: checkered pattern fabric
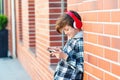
column 65, row 71
column 72, row 68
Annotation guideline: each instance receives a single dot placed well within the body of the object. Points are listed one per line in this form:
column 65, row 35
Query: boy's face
column 69, row 31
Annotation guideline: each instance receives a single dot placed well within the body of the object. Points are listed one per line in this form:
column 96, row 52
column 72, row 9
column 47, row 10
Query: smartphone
column 51, row 50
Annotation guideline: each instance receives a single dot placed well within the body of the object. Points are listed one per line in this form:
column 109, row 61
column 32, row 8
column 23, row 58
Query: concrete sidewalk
column 11, row 69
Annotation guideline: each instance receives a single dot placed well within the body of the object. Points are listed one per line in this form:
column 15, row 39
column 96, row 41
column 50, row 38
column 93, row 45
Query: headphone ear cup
column 74, row 25
column 77, row 24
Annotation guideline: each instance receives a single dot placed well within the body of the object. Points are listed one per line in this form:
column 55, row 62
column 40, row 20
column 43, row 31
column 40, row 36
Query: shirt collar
column 79, row 35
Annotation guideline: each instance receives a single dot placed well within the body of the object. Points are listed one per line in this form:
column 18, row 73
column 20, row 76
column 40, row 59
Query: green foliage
column 3, row 21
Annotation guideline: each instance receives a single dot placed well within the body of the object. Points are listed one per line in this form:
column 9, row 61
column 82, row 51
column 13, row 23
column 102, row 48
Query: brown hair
column 64, row 20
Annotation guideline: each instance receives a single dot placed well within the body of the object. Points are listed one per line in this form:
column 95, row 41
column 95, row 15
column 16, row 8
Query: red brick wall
column 31, row 11
column 45, row 13
column 101, row 34
column 19, row 20
column 101, row 25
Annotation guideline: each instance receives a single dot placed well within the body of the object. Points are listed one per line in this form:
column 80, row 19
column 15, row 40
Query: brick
column 98, row 73
column 85, row 76
column 104, row 16
column 115, row 69
column 31, row 34
column 87, row 27
column 54, row 5
column 111, row 29
column 107, row 77
column 55, row 44
column 30, row 4
column 118, row 4
column 93, row 27
column 92, row 60
column 92, row 38
column 79, row 9
column 115, row 43
column 111, row 55
column 31, row 9
column 100, row 4
column 110, row 4
column 97, row 28
column 55, row 38
column 87, row 47
column 88, row 68
column 54, row 15
column 87, row 6
column 92, row 16
column 56, row 10
column 32, row 41
column 96, row 50
column 54, row 33
column 104, row 64
column 103, row 40
column 94, row 71
column 52, row 21
column 114, row 16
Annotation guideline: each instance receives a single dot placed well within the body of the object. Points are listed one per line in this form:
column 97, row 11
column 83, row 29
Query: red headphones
column 77, row 24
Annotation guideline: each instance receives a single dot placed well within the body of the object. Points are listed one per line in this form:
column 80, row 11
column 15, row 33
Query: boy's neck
column 73, row 34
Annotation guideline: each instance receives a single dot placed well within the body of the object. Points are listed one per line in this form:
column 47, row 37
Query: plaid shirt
column 74, row 50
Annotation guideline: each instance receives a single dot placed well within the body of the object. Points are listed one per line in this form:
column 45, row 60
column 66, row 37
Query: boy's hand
column 57, row 52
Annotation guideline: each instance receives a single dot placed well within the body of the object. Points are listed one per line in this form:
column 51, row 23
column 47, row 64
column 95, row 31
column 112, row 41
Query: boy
column 70, row 23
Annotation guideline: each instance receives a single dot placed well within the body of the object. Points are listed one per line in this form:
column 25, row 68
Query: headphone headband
column 77, row 23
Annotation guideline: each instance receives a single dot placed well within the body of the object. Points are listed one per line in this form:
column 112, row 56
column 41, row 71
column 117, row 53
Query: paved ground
column 11, row 69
